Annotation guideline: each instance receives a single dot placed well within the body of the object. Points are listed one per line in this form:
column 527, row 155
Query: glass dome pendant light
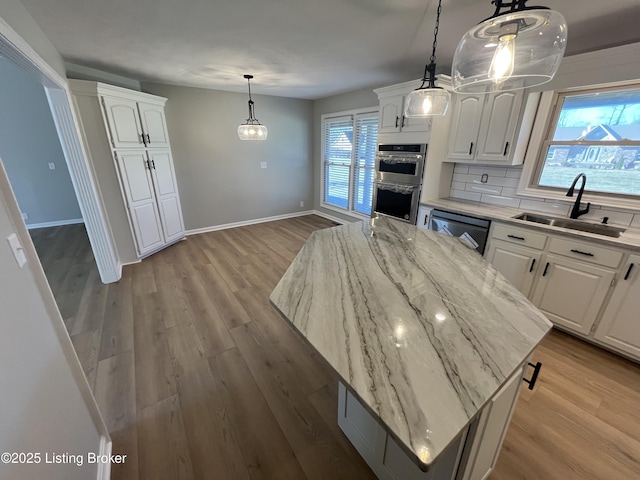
column 517, row 47
column 430, row 101
column 252, row 129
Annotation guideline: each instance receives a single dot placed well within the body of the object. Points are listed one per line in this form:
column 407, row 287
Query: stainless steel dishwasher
column 474, row 231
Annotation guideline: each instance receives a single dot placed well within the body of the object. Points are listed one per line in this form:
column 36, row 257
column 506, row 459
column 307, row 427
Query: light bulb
column 504, row 58
column 426, row 106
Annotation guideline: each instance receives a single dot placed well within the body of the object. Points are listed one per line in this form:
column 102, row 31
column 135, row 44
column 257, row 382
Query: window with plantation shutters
column 348, row 152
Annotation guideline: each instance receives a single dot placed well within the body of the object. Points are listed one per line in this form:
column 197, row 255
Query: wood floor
column 197, row 377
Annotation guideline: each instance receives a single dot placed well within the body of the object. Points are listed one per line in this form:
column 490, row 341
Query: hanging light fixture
column 428, row 101
column 517, row 47
column 252, row 129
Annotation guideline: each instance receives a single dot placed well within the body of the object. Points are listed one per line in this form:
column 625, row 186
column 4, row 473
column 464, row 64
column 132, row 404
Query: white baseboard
column 330, row 217
column 248, row 222
column 57, row 223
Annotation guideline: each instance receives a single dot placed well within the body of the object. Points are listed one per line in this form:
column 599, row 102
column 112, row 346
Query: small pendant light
column 252, row 129
column 517, row 47
column 430, row 101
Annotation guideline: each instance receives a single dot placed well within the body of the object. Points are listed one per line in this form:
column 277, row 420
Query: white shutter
column 366, row 140
column 337, row 153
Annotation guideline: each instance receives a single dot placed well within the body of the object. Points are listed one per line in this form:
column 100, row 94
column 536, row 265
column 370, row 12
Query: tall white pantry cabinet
column 126, row 139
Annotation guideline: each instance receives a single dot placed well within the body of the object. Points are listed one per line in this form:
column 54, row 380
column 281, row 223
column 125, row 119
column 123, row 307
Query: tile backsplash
column 498, row 186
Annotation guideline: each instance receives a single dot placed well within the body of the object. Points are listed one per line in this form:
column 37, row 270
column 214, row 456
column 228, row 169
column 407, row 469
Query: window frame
column 373, row 111
column 542, row 137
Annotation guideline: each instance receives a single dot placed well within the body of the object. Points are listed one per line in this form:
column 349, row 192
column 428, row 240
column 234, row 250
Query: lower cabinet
column 518, row 264
column 151, row 198
column 570, row 293
column 472, row 456
column 620, row 324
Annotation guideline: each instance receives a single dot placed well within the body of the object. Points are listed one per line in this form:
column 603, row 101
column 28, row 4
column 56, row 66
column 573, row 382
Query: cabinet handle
column 146, row 162
column 403, row 119
column 148, row 139
column 626, row 276
column 506, row 149
column 397, row 119
column 546, row 268
column 581, row 252
column 153, row 164
column 534, row 375
column 533, row 263
column 426, row 219
column 471, row 148
column 142, row 139
column 516, row 237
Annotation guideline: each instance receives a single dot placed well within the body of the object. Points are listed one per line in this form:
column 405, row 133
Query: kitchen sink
column 598, row 229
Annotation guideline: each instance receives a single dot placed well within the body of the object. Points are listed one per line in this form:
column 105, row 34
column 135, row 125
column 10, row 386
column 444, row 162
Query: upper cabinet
column 491, row 129
column 392, row 101
column 134, row 124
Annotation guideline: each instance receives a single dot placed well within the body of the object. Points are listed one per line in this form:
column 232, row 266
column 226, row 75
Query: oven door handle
column 396, row 188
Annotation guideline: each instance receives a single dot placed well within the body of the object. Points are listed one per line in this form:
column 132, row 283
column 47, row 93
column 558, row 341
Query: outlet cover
column 16, row 248
column 52, row 166
column 263, row 164
column 25, row 216
column 302, row 204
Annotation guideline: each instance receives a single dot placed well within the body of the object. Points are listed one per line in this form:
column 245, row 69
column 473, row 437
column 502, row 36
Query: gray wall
column 28, row 142
column 219, row 176
column 347, row 101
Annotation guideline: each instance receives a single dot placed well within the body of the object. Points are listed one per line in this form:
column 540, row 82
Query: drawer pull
column 581, row 252
column 626, row 277
column 546, row 268
column 534, row 375
column 533, row 263
column 515, row 237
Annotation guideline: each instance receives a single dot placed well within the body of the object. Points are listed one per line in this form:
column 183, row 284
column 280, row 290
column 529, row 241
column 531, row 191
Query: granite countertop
column 630, row 239
column 420, row 327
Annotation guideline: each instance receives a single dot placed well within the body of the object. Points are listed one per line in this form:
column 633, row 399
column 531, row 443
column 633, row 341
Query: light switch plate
column 17, row 250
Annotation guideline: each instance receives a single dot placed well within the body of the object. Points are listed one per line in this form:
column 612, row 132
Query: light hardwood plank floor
column 199, row 378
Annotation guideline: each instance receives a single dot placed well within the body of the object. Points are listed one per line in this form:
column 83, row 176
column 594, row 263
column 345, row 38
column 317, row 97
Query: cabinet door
column 492, row 428
column 124, row 122
column 137, row 185
column 620, row 325
column 166, row 189
column 391, row 114
column 154, row 125
column 465, row 124
column 571, row 293
column 415, row 124
column 518, row 264
column 498, row 127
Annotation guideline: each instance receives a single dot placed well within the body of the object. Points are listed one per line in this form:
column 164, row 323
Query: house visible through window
column 348, row 153
column 598, row 133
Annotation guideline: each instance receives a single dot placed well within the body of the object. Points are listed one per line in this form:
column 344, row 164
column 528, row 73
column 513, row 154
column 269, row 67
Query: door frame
column 15, row 49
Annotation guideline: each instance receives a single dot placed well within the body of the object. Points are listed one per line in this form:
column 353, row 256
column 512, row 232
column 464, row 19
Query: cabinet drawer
column 520, row 236
column 586, row 252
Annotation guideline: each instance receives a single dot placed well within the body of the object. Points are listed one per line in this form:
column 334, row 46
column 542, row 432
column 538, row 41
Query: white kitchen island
column 429, row 340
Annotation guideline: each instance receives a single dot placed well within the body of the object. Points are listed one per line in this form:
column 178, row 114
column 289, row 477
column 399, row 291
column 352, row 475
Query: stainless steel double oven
column 398, row 180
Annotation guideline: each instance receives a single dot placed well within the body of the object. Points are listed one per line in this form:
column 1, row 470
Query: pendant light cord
column 430, row 69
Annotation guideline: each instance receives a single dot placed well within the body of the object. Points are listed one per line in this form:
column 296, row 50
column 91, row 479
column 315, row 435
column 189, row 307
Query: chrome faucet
column 575, row 211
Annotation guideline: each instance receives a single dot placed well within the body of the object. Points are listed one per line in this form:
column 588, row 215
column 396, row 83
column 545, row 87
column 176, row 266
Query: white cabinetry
column 516, row 253
column 620, row 324
column 392, row 119
column 471, row 456
column 127, row 141
column 484, row 128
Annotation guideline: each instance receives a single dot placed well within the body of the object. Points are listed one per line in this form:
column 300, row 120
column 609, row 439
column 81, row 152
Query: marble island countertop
column 422, row 329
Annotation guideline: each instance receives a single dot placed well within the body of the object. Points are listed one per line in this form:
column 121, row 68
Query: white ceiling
column 295, row 48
